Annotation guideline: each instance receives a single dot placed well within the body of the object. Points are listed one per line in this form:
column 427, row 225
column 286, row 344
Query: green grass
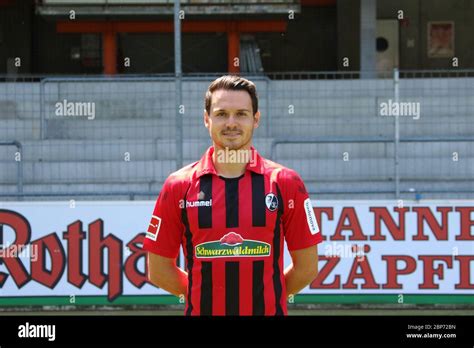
column 325, row 304
column 391, row 299
column 310, row 312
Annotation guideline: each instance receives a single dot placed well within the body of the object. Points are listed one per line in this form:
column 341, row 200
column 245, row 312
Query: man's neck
column 231, row 163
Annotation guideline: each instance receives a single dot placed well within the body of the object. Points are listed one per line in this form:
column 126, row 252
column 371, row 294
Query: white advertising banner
column 395, row 247
column 370, row 247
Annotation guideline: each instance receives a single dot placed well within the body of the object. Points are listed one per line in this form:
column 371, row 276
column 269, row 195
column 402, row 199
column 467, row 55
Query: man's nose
column 231, row 120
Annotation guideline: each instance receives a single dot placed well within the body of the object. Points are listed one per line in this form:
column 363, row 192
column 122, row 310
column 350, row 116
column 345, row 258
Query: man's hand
column 163, row 272
column 303, row 270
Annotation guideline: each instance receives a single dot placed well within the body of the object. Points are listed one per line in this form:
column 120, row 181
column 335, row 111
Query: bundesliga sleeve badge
column 153, row 228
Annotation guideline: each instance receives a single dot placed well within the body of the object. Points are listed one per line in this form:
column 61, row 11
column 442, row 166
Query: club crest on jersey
column 271, row 202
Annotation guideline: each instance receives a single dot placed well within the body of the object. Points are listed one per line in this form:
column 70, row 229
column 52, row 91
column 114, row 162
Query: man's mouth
column 231, row 134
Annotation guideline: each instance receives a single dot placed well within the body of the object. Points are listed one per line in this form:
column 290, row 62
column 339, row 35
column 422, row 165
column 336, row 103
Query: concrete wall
column 137, row 117
column 417, row 14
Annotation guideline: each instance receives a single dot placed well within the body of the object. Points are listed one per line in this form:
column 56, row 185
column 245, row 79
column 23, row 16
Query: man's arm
column 163, row 272
column 303, row 269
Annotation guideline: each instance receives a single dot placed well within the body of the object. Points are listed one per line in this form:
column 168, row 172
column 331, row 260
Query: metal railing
column 351, row 140
column 336, row 106
column 19, row 161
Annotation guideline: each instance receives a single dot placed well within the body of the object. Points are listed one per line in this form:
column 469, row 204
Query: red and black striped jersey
column 232, row 233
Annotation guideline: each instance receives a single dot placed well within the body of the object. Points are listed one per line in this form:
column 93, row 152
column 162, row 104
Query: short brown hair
column 232, row 83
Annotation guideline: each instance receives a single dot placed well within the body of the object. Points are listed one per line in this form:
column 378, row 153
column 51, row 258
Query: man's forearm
column 297, row 279
column 173, row 280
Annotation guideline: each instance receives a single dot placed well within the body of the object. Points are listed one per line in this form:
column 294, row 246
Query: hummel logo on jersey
column 271, row 201
column 191, row 204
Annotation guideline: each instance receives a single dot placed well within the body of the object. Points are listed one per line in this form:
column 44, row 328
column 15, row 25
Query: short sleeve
column 165, row 230
column 299, row 222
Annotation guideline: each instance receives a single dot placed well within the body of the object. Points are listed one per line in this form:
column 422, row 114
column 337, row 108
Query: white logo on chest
column 271, row 201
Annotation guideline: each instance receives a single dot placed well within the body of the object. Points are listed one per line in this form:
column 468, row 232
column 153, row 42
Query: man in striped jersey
column 231, row 212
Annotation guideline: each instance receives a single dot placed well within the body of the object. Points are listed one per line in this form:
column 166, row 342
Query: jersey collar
column 206, row 166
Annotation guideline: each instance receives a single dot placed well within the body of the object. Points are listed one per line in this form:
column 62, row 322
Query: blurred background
column 367, row 99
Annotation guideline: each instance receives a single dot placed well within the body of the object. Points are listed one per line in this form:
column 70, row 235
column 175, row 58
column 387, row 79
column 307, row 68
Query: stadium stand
column 128, row 149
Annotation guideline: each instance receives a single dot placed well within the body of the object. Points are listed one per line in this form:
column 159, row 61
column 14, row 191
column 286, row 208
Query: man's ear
column 206, row 119
column 256, row 119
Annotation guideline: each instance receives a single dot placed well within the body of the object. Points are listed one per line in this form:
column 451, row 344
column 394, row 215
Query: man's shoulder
column 280, row 172
column 184, row 172
column 286, row 178
column 181, row 176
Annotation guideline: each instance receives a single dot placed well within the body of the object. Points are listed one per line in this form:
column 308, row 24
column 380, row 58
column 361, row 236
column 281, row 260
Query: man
column 231, row 212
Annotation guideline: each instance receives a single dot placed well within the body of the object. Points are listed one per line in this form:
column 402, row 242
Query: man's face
column 231, row 121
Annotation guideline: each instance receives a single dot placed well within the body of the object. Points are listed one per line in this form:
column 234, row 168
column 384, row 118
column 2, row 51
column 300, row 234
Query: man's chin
column 231, row 145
